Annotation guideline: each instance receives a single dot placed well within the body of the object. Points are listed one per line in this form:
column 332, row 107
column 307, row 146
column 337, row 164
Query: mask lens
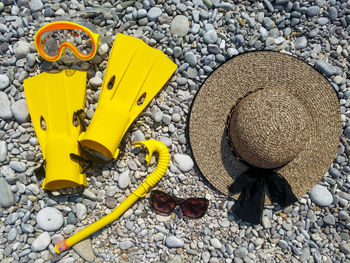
column 162, row 202
column 51, row 41
column 194, row 207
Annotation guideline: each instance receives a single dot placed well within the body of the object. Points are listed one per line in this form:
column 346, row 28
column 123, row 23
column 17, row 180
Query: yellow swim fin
column 52, row 100
column 135, row 73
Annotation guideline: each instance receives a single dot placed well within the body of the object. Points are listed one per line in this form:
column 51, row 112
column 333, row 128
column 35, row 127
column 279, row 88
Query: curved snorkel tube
column 141, row 191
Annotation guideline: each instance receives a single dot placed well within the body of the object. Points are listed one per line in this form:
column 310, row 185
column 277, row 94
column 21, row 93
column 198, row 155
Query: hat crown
column 269, row 127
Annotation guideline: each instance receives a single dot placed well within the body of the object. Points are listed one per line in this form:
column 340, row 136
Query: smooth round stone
column 137, row 136
column 124, row 180
column 321, row 196
column 174, row 242
column 71, row 219
column 12, row 234
column 329, row 219
column 190, row 59
column 5, row 109
column 282, row 244
column 125, row 244
column 21, row 49
column 176, row 117
column 35, row 5
column 210, row 37
column 343, row 215
column 179, row 26
column 215, row 243
column 154, row 13
column 183, row 162
column 158, row 116
column 166, row 140
column 300, row 43
column 332, row 13
column 241, row 252
column 312, row 11
column 95, row 82
column 322, row 21
column 49, row 219
column 18, row 166
column 41, row 242
column 4, row 81
column 20, row 111
column 3, row 151
column 81, row 211
column 347, row 132
column 177, row 52
column 27, row 228
column 335, row 173
column 325, row 68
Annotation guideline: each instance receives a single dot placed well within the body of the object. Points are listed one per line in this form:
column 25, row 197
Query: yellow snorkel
column 141, row 191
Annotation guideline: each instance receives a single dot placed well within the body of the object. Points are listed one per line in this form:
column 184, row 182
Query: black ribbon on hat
column 253, row 185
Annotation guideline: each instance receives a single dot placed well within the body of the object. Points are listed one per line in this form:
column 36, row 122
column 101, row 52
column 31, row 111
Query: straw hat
column 274, row 111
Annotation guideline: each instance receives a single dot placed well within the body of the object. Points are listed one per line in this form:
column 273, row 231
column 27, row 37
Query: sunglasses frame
column 178, row 201
column 66, row 25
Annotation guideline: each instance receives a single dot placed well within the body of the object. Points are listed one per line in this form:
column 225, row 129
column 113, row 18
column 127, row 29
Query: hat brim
column 245, row 73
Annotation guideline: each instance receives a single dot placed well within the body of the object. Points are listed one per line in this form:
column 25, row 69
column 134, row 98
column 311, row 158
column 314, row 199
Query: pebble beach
column 198, row 36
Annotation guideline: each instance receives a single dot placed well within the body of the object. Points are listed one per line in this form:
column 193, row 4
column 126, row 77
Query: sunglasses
column 165, row 204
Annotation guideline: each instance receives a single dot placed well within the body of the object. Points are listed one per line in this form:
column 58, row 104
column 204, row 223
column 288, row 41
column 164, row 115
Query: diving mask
column 68, row 39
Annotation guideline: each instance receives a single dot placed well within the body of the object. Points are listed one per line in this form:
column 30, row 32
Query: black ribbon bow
column 253, row 184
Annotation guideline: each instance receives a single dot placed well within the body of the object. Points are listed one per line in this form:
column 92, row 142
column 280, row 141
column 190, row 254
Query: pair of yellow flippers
column 135, row 73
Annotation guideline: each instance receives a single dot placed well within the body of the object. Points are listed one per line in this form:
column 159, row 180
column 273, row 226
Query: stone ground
column 198, row 36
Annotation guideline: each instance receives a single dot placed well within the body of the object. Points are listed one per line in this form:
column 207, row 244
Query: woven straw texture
column 303, row 92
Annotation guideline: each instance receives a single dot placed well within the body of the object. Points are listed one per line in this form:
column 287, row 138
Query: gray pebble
column 344, row 248
column 35, row 5
column 329, row 219
column 21, row 49
column 125, row 244
column 322, row 21
column 335, row 173
column 190, row 59
column 18, row 166
column 321, row 196
column 183, row 162
column 49, row 219
column 81, row 211
column 41, row 242
column 268, row 24
column 27, row 228
column 325, row 68
column 215, row 243
column 5, row 109
column 12, row 234
column 241, row 252
column 3, row 151
column 300, row 43
column 177, row 52
column 332, row 13
column 282, row 244
column 343, row 215
column 137, row 136
column 4, row 81
column 12, row 218
column 154, row 13
column 312, row 10
column 95, row 82
column 179, row 26
column 71, row 219
column 124, row 180
column 173, row 242
column 181, row 7
column 210, row 37
column 20, row 111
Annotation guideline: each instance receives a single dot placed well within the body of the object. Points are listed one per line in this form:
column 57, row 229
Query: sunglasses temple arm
column 141, row 191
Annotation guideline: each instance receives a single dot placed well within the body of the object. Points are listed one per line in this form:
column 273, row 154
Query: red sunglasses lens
column 194, row 207
column 162, row 202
